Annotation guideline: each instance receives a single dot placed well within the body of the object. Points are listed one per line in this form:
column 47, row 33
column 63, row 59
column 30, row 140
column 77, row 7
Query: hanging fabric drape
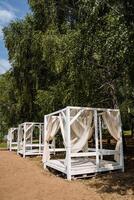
column 113, row 124
column 21, row 137
column 10, row 135
column 51, row 130
column 20, row 133
column 62, row 127
column 29, row 131
column 13, row 135
column 82, row 131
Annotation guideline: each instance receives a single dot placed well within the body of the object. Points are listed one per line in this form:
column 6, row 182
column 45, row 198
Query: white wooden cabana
column 30, row 139
column 12, row 139
column 77, row 125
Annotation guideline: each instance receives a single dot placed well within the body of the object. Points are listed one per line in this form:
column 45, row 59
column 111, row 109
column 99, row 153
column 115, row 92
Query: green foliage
column 8, row 107
column 69, row 53
column 3, row 145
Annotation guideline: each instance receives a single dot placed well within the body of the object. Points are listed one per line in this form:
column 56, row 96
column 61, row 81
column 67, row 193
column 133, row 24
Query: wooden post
column 24, row 142
column 18, row 140
column 68, row 150
column 100, row 134
column 44, row 142
column 10, row 143
column 8, row 140
column 121, row 155
column 53, row 146
column 121, row 146
column 17, row 137
column 96, row 139
column 40, row 139
column 31, row 138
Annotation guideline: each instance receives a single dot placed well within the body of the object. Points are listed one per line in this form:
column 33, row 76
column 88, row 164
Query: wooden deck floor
column 83, row 166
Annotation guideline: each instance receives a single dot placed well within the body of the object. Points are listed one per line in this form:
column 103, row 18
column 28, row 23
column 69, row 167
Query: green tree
column 71, row 53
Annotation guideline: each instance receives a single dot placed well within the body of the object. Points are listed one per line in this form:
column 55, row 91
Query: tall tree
column 71, row 53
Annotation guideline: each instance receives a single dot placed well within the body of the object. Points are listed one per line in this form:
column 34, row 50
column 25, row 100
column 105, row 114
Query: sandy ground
column 25, row 179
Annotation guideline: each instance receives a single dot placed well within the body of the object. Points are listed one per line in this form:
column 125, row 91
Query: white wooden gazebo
column 12, row 139
column 30, row 139
column 76, row 126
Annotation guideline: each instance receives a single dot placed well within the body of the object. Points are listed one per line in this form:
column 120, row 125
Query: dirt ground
column 25, row 179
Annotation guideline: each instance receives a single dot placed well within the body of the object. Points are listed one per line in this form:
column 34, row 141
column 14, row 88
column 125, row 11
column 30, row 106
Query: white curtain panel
column 81, row 132
column 29, row 132
column 113, row 123
column 21, row 135
column 51, row 130
column 10, row 135
column 62, row 127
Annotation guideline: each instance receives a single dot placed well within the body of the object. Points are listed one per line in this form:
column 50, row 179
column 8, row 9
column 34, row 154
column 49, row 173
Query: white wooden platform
column 12, row 138
column 31, row 152
column 80, row 166
column 77, row 126
column 13, row 146
column 27, row 144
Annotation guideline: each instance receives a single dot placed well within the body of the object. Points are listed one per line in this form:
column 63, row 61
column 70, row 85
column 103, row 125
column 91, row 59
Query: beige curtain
column 10, row 135
column 81, row 132
column 21, row 135
column 29, row 131
column 113, row 124
column 62, row 127
column 51, row 130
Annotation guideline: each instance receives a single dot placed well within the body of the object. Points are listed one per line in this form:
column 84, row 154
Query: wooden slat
column 86, row 154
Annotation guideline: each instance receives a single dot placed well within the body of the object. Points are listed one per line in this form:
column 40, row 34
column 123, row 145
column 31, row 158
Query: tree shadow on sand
column 116, row 181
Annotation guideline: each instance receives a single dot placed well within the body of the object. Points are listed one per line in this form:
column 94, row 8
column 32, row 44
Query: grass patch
column 3, row 145
column 128, row 133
